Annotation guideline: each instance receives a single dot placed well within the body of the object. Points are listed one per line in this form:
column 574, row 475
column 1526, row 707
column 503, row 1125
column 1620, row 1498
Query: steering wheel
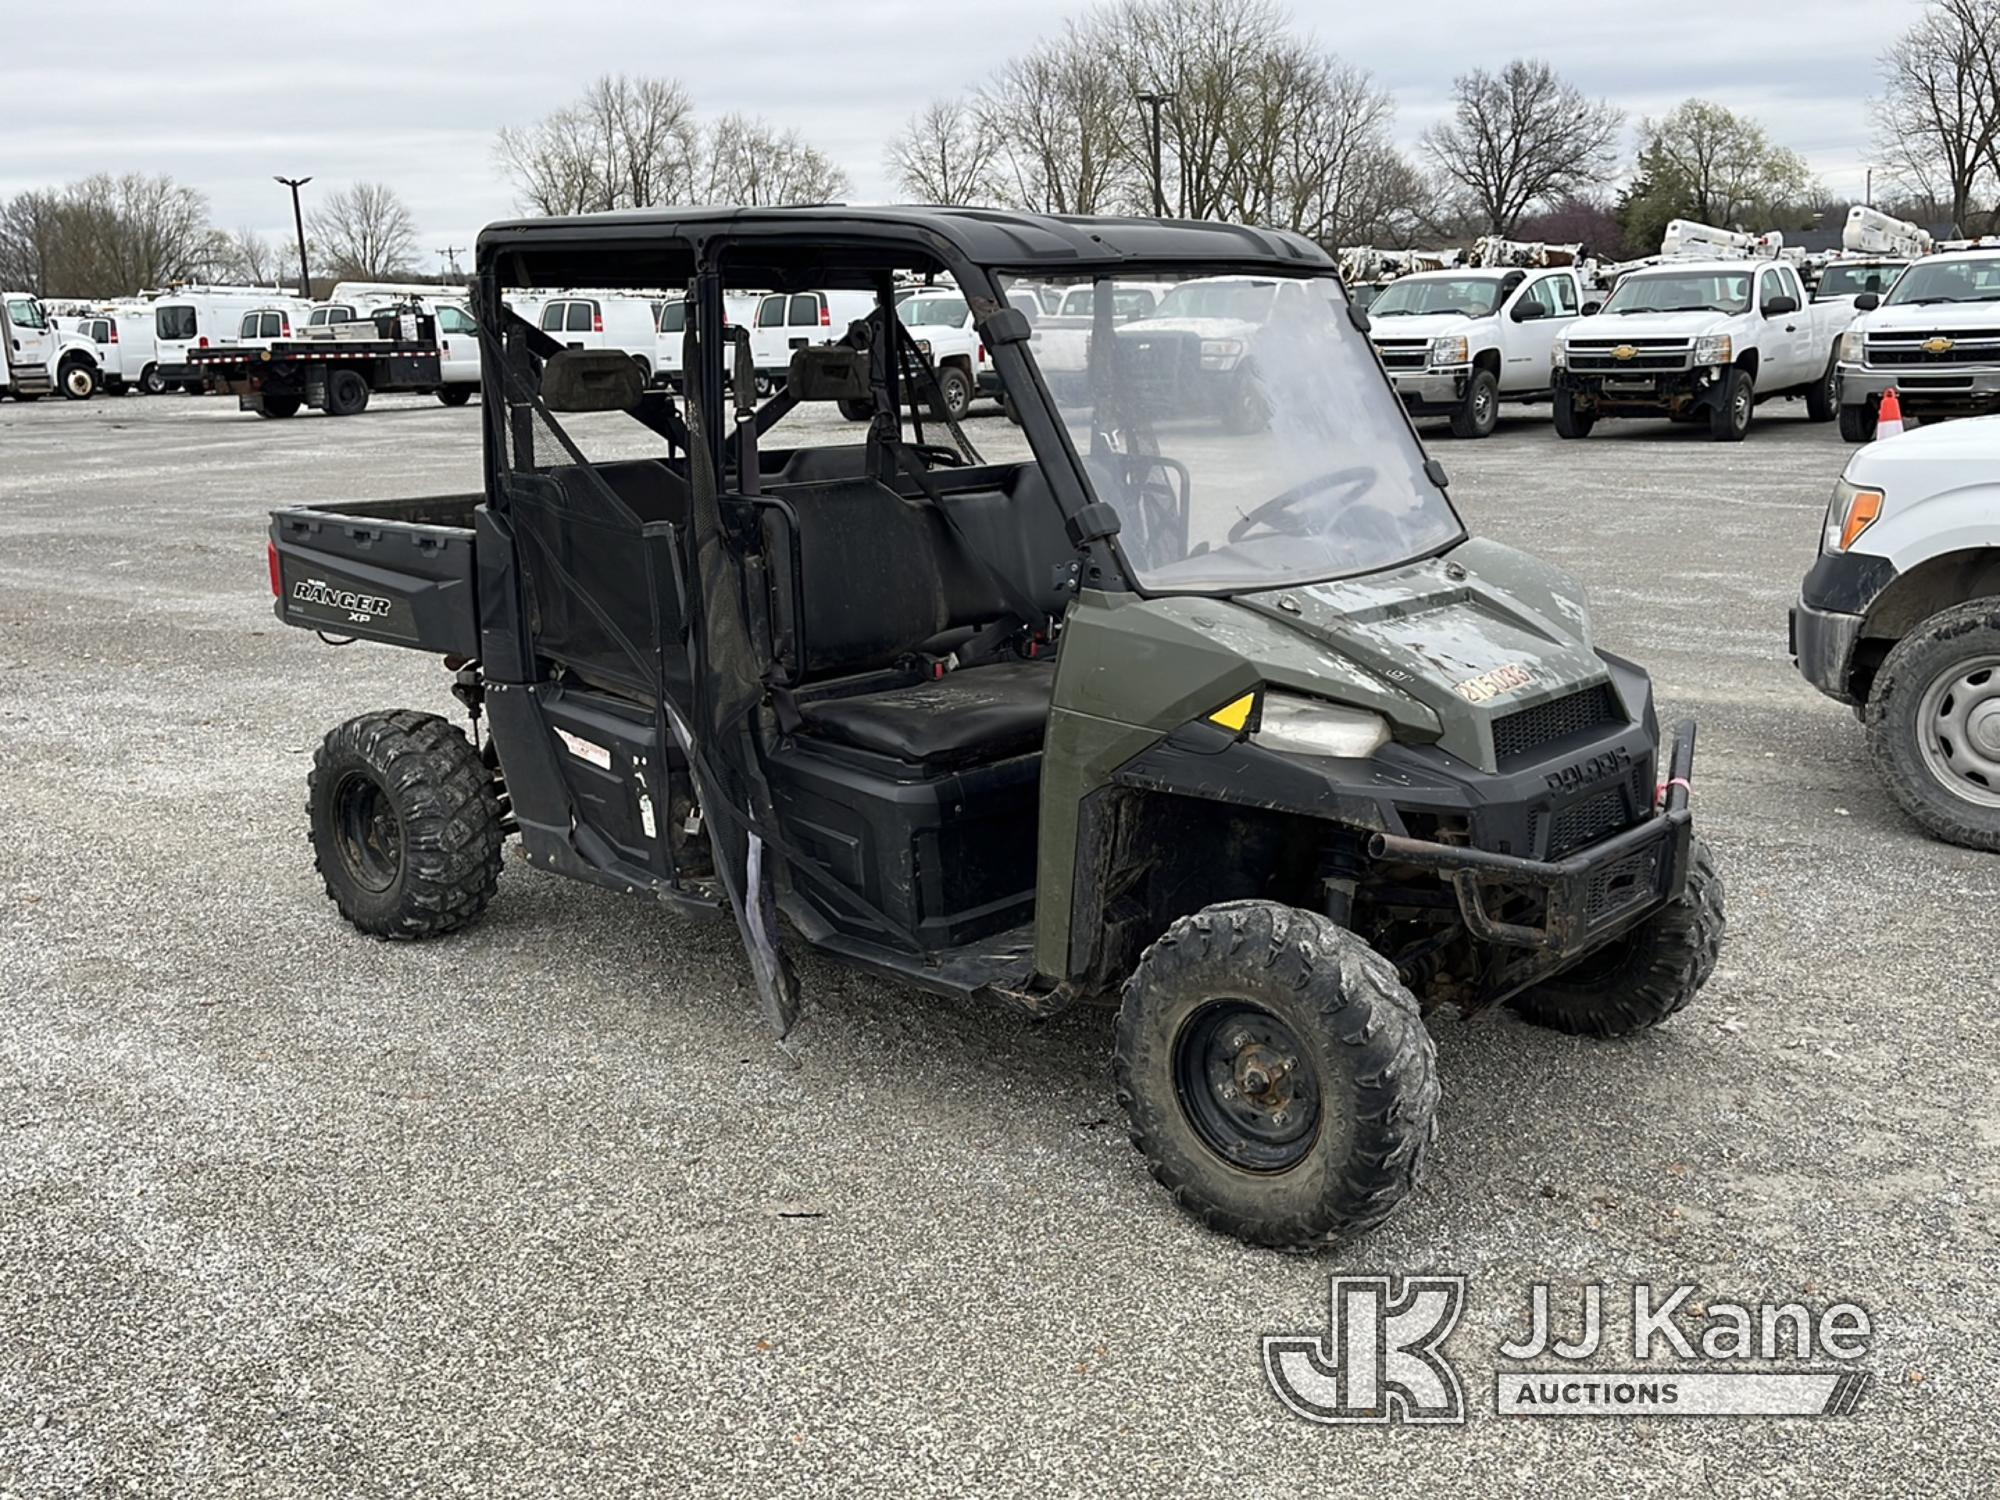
column 1349, row 481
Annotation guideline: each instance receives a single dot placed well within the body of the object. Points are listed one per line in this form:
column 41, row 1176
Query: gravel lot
column 539, row 1209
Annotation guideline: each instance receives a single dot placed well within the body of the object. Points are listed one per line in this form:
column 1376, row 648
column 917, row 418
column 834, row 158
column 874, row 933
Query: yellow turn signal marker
column 1235, row 715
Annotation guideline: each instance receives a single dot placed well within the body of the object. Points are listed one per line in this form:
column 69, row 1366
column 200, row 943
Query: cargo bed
column 397, row 571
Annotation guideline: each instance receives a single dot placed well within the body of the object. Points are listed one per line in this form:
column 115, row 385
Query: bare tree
column 365, row 232
column 751, row 162
column 248, row 257
column 1938, row 120
column 106, row 235
column 553, row 164
column 1063, row 117
column 32, row 242
column 1521, row 138
column 946, row 153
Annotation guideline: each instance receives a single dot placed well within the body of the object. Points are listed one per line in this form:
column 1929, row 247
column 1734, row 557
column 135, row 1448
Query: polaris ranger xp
column 1204, row 705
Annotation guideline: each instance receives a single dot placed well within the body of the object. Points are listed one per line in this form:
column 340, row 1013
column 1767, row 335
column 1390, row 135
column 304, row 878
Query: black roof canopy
column 833, row 245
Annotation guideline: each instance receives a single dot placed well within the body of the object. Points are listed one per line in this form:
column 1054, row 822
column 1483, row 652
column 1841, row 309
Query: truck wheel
column 856, row 410
column 1476, row 415
column 1644, row 976
column 1823, row 396
column 1275, row 1074
column 1244, row 408
column 278, row 406
column 1857, row 422
column 645, row 371
column 152, row 382
column 1729, row 418
column 454, row 395
column 954, row 397
column 405, row 824
column 76, row 377
column 346, row 394
column 1933, row 718
column 1572, row 421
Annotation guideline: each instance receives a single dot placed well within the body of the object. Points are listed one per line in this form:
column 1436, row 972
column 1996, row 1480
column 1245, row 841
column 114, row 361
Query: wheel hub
column 368, row 833
column 1958, row 730
column 1246, row 1086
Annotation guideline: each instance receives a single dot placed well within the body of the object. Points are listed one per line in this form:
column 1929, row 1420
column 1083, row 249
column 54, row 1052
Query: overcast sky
column 410, row 92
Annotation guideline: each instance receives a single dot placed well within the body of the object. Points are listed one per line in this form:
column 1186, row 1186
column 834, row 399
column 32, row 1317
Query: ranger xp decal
column 359, row 608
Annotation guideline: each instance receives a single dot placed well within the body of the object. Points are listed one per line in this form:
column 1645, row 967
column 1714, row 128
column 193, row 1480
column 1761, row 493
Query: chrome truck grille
column 1933, row 351
column 1629, row 356
column 1404, row 354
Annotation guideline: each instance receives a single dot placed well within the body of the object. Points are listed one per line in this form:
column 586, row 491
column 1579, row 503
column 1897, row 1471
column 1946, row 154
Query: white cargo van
column 607, row 320
column 792, row 320
column 203, row 317
column 739, row 310
column 122, row 336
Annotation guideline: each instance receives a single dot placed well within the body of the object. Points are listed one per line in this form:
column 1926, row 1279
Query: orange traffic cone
column 1889, row 420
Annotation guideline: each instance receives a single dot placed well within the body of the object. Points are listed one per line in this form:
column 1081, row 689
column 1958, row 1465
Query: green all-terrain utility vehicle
column 1200, row 701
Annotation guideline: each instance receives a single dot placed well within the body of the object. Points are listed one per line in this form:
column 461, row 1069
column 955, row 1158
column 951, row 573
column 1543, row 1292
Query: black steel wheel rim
column 367, row 832
column 1246, row 1087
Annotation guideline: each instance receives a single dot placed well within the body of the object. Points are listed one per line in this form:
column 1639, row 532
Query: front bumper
column 1826, row 624
column 1431, row 389
column 1647, row 393
column 1923, row 390
column 1590, row 897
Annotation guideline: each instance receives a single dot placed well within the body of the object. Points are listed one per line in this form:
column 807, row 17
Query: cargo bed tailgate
column 398, row 571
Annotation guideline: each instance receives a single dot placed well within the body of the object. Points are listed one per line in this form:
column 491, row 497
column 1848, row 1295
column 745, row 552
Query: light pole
column 299, row 222
column 1153, row 102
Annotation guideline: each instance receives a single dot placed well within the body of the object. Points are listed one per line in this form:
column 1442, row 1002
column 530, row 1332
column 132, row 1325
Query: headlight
column 1852, row 512
column 1850, row 346
column 1559, row 356
column 1450, row 350
column 1220, row 354
column 1294, row 725
column 1714, row 349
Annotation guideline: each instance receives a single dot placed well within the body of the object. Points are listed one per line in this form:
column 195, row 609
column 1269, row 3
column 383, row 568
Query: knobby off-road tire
column 1479, row 412
column 1638, row 980
column 406, row 824
column 1933, row 723
column 1276, row 1075
column 1571, row 421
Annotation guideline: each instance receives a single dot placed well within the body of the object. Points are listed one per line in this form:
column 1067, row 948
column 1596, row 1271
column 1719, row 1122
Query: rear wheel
column 954, row 394
column 454, row 395
column 1823, row 397
column 1729, row 418
column 346, row 394
column 76, row 378
column 645, row 370
column 1476, row 414
column 1639, row 979
column 152, row 382
column 856, row 410
column 406, row 824
column 1276, row 1074
column 1857, row 422
column 1572, row 421
column 278, row 406
column 1933, row 718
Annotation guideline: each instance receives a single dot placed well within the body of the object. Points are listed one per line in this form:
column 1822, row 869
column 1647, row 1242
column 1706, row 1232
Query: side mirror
column 1868, row 302
column 1529, row 310
column 1592, row 309
column 1777, row 307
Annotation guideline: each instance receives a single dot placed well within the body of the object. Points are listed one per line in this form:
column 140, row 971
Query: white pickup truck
column 1695, row 340
column 1458, row 343
column 1899, row 617
column 1935, row 338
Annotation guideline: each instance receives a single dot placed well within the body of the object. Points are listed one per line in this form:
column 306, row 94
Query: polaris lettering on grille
column 1584, row 772
column 359, row 608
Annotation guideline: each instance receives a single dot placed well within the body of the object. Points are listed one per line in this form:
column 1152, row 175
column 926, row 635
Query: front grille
column 1585, row 822
column 1404, row 354
column 1648, row 356
column 1528, row 729
column 1980, row 346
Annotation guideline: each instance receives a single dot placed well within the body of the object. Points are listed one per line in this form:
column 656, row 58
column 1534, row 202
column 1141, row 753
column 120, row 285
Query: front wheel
column 1823, row 396
column 954, row 394
column 1275, row 1074
column 1476, row 415
column 454, row 395
column 1639, row 979
column 77, row 379
column 1729, row 418
column 1857, row 423
column 152, row 382
column 406, row 824
column 1572, row 421
column 1933, row 717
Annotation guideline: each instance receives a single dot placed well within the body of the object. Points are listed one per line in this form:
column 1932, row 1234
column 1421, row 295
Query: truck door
column 1782, row 340
column 1530, row 343
column 458, row 346
column 767, row 338
column 804, row 323
column 30, row 341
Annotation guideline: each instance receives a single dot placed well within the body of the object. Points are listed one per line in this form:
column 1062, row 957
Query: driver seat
column 969, row 717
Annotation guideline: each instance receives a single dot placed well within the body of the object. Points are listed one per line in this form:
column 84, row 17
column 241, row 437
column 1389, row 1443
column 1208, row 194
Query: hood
column 1473, row 636
column 1900, row 462
column 1208, row 328
column 1653, row 325
column 1912, row 317
column 1425, row 326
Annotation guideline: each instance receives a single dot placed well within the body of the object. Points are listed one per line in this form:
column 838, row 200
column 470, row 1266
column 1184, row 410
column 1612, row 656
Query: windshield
column 1472, row 296
column 933, row 312
column 1949, row 281
column 1227, row 297
column 1677, row 291
column 174, row 322
column 1852, row 281
column 1242, row 460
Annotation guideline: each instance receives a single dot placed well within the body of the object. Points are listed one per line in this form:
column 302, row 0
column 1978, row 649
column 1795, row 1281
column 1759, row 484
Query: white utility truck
column 1458, row 343
column 1875, row 249
column 1716, row 326
column 1899, row 617
column 1935, row 338
column 40, row 356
